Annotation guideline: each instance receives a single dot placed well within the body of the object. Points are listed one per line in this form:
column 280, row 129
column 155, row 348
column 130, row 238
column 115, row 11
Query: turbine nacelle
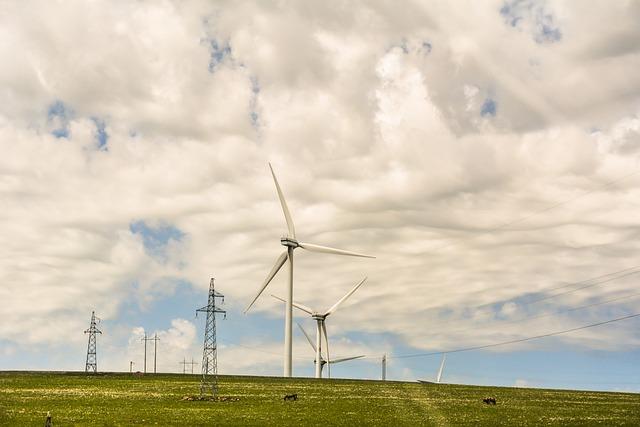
column 322, row 362
column 290, row 242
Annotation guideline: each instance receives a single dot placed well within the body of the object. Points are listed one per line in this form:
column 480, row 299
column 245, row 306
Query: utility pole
column 145, row 339
column 155, row 340
column 131, row 366
column 184, row 364
column 384, row 367
column 92, row 358
column 210, row 351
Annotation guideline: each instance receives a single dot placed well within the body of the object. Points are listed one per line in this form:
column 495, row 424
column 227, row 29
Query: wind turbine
column 321, row 327
column 444, row 357
column 291, row 243
column 321, row 362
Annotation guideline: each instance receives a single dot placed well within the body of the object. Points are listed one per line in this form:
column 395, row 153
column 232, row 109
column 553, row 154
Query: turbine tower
column 92, row 358
column 384, row 367
column 321, row 327
column 210, row 351
column 320, row 362
column 291, row 243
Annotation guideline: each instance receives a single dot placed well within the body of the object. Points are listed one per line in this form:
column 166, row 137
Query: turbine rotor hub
column 288, row 241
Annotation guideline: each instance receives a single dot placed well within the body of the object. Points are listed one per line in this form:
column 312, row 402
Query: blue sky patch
column 255, row 90
column 547, row 32
column 101, row 134
column 58, row 115
column 156, row 239
column 488, row 108
column 531, row 14
column 218, row 53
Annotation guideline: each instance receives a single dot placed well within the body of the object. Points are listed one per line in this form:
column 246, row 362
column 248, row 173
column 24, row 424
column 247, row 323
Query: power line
column 581, row 282
column 480, row 347
column 581, row 287
column 557, row 312
column 636, row 269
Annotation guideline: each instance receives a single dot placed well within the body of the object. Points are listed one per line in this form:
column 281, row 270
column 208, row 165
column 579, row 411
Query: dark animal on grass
column 489, row 400
column 48, row 422
column 291, row 397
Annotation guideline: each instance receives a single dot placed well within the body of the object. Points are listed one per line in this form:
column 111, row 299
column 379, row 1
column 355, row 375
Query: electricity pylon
column 92, row 359
column 210, row 352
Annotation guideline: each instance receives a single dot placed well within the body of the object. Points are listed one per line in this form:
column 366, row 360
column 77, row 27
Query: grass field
column 123, row 399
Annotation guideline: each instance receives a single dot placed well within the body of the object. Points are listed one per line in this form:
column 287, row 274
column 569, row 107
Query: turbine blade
column 279, row 263
column 344, row 359
column 302, row 307
column 278, row 298
column 444, row 356
column 313, row 346
column 295, row 304
column 285, row 209
column 344, row 298
column 326, row 340
column 328, row 250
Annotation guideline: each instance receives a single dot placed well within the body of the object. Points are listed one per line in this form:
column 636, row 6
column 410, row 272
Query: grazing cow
column 291, row 397
column 48, row 422
column 489, row 400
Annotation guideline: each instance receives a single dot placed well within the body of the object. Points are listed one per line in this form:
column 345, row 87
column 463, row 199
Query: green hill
column 124, row 399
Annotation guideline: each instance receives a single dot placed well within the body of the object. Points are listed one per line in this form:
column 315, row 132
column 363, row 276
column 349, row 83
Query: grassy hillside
column 123, row 399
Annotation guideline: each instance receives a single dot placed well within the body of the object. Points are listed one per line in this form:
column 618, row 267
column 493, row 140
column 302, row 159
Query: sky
column 487, row 153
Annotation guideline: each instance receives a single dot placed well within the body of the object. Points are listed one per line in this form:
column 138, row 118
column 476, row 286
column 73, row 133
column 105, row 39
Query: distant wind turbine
column 444, row 357
column 291, row 243
column 321, row 361
column 321, row 327
column 440, row 370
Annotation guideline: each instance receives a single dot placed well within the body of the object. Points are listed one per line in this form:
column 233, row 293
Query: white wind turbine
column 291, row 243
column 444, row 357
column 322, row 360
column 321, row 328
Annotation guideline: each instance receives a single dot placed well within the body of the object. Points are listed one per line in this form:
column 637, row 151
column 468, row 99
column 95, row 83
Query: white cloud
column 378, row 142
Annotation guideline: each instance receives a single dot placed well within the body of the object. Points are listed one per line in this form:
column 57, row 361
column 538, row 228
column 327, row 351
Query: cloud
column 138, row 149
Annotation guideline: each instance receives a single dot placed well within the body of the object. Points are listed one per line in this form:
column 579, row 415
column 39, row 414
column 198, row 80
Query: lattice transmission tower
column 209, row 380
column 92, row 359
